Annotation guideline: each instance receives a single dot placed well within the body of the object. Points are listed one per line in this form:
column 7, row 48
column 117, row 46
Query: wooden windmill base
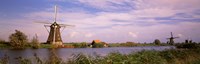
column 55, row 43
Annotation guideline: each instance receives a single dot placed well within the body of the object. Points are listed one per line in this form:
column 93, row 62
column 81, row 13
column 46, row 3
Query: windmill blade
column 42, row 22
column 171, row 34
column 46, row 28
column 176, row 37
column 55, row 17
column 67, row 25
column 168, row 38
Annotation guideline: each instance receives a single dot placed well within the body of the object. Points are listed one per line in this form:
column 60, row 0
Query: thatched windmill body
column 55, row 33
column 171, row 39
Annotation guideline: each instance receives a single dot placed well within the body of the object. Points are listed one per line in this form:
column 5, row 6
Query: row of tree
column 19, row 40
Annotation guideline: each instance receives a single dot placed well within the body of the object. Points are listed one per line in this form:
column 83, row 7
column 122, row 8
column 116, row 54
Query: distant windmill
column 171, row 39
column 54, row 33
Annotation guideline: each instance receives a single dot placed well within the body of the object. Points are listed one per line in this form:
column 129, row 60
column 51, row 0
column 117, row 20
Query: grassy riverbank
column 180, row 56
column 4, row 45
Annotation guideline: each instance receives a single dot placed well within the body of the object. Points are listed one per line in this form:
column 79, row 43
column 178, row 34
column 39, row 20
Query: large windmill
column 54, row 33
column 171, row 39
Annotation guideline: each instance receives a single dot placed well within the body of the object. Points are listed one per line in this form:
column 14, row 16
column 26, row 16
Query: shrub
column 23, row 60
column 116, row 58
column 188, row 45
column 18, row 40
column 146, row 57
column 80, row 59
column 157, row 42
column 4, row 60
column 54, row 59
column 97, row 45
column 80, row 45
column 35, row 43
column 128, row 44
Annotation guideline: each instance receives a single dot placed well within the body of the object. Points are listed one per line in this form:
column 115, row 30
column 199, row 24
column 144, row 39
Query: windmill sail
column 171, row 34
column 171, row 39
column 55, row 17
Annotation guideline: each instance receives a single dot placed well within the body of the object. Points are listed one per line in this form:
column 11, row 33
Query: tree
column 35, row 43
column 157, row 42
column 18, row 40
column 129, row 44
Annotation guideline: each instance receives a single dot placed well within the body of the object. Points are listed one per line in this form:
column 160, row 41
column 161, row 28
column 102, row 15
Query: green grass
column 45, row 46
column 135, row 44
column 127, row 44
column 4, row 46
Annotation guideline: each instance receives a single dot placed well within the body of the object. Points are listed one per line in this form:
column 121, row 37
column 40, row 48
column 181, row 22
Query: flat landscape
column 99, row 32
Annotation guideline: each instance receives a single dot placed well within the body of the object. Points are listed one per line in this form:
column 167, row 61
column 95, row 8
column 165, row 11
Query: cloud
column 117, row 24
column 73, row 34
column 107, row 5
column 135, row 35
column 146, row 8
column 139, row 4
column 117, row 20
column 88, row 35
column 180, row 35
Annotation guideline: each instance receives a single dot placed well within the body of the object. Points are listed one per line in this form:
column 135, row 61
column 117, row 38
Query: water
column 66, row 53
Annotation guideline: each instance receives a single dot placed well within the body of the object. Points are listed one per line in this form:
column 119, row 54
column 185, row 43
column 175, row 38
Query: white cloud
column 146, row 8
column 73, row 34
column 153, row 12
column 108, row 5
column 97, row 3
column 180, row 35
column 88, row 35
column 135, row 35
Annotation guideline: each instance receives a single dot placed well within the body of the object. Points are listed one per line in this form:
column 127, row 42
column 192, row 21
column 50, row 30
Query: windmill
column 171, row 39
column 54, row 33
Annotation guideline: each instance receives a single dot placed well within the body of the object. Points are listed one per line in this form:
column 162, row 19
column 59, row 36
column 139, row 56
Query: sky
column 111, row 21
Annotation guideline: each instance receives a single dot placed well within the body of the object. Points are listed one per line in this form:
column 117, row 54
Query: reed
column 174, row 56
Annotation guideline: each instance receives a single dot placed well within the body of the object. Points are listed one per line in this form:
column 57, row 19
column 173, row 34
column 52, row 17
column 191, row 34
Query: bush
column 35, row 43
column 157, row 42
column 97, row 45
column 80, row 45
column 146, row 57
column 54, row 59
column 80, row 59
column 115, row 58
column 4, row 60
column 129, row 44
column 188, row 45
column 18, row 40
